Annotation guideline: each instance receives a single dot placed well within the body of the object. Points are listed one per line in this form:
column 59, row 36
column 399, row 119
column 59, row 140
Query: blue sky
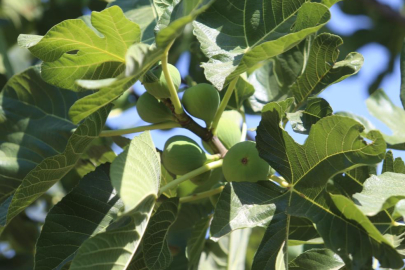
column 348, row 95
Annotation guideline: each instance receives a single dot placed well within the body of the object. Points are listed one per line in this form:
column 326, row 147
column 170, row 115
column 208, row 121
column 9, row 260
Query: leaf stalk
column 174, row 97
column 189, row 175
column 224, row 103
column 119, row 132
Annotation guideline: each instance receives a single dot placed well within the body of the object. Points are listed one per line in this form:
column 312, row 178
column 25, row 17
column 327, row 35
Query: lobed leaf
column 322, row 69
column 334, row 145
column 139, row 59
column 72, row 51
column 236, row 36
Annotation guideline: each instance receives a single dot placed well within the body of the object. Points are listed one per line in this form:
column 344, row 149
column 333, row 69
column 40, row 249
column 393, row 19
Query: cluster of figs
column 182, row 154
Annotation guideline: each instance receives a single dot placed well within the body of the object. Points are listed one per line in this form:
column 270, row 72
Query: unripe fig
column 152, row 110
column 243, row 163
column 202, row 101
column 155, row 82
column 228, row 130
column 182, row 155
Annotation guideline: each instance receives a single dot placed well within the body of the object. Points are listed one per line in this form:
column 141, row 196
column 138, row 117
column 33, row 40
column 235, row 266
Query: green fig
column 202, row 101
column 152, row 110
column 182, row 155
column 228, row 130
column 155, row 82
column 242, row 163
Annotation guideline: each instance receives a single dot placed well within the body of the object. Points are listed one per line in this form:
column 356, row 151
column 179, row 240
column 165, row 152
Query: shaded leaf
column 382, row 108
column 316, row 109
column 156, row 251
column 114, row 248
column 72, row 51
column 53, row 168
column 351, row 181
column 26, row 103
column 135, row 173
column 391, row 165
column 69, row 224
column 273, row 80
column 228, row 253
column 196, row 242
column 243, row 90
column 236, row 36
column 322, row 69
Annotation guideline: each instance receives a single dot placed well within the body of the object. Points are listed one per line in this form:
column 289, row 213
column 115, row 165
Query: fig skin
column 155, row 82
column 152, row 110
column 242, row 163
column 202, row 101
column 182, row 155
column 228, row 131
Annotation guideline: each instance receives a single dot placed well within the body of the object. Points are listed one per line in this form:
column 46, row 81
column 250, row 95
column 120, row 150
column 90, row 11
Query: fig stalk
column 201, row 195
column 205, row 168
column 224, row 103
column 119, row 132
column 178, row 109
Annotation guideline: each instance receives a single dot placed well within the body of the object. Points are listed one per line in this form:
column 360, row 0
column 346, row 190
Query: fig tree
column 152, row 110
column 155, row 82
column 182, row 155
column 242, row 163
column 202, row 101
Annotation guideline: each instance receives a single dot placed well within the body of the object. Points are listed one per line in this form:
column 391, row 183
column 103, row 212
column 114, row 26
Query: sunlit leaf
column 382, row 108
column 135, row 173
column 316, row 259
